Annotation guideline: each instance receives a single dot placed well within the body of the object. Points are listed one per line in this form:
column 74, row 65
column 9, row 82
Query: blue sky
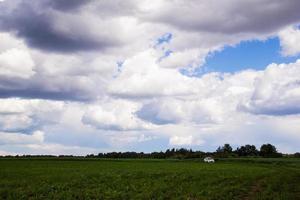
column 254, row 54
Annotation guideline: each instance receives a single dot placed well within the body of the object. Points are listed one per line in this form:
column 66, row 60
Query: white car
column 209, row 160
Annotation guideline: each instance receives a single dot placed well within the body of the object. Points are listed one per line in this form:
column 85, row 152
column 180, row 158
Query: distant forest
column 225, row 151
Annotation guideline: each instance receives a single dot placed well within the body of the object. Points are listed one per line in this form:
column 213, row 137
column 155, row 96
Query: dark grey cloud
column 33, row 21
column 273, row 110
column 67, row 5
column 39, row 93
column 104, row 8
column 228, row 16
column 42, row 87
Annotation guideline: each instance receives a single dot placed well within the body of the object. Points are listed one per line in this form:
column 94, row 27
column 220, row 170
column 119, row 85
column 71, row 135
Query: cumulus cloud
column 173, row 111
column 100, row 25
column 48, row 149
column 289, row 40
column 171, row 97
column 57, row 149
column 19, row 138
column 141, row 76
column 184, row 141
column 191, row 58
column 97, row 75
column 9, row 42
column 114, row 115
column 15, row 59
column 19, row 115
column 277, row 91
column 5, row 153
column 58, row 29
column 16, row 63
column 15, row 122
column 28, row 74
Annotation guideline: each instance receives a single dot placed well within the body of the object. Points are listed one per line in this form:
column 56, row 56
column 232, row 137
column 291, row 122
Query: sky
column 80, row 77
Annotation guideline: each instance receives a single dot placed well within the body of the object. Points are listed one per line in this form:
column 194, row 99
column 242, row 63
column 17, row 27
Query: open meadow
column 63, row 178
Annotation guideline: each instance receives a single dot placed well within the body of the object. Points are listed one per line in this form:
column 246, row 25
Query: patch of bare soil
column 255, row 189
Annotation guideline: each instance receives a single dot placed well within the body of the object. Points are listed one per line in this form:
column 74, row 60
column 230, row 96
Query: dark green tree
column 227, row 148
column 297, row 155
column 247, row 150
column 268, row 150
column 224, row 151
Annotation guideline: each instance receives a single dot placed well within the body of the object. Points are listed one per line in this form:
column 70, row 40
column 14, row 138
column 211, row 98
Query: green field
column 56, row 178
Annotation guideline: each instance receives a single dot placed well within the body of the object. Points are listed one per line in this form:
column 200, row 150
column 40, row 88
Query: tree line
column 225, row 151
column 266, row 150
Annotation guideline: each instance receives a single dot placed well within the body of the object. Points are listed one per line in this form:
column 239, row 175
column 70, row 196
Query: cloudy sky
column 80, row 77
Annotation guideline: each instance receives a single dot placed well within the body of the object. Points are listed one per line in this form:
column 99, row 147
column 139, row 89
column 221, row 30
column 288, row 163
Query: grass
column 149, row 179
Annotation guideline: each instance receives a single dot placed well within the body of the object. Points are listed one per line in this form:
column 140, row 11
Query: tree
column 297, row 155
column 219, row 150
column 225, row 149
column 247, row 150
column 268, row 150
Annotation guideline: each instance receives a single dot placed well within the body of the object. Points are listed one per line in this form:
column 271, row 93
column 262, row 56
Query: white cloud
column 7, row 41
column 121, row 141
column 16, row 63
column 15, row 122
column 167, row 110
column 277, row 91
column 141, row 76
column 184, row 141
column 57, row 149
column 48, row 149
column 34, row 74
column 114, row 115
column 6, row 153
column 289, row 41
column 147, row 98
column 25, row 115
column 191, row 58
column 36, row 137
